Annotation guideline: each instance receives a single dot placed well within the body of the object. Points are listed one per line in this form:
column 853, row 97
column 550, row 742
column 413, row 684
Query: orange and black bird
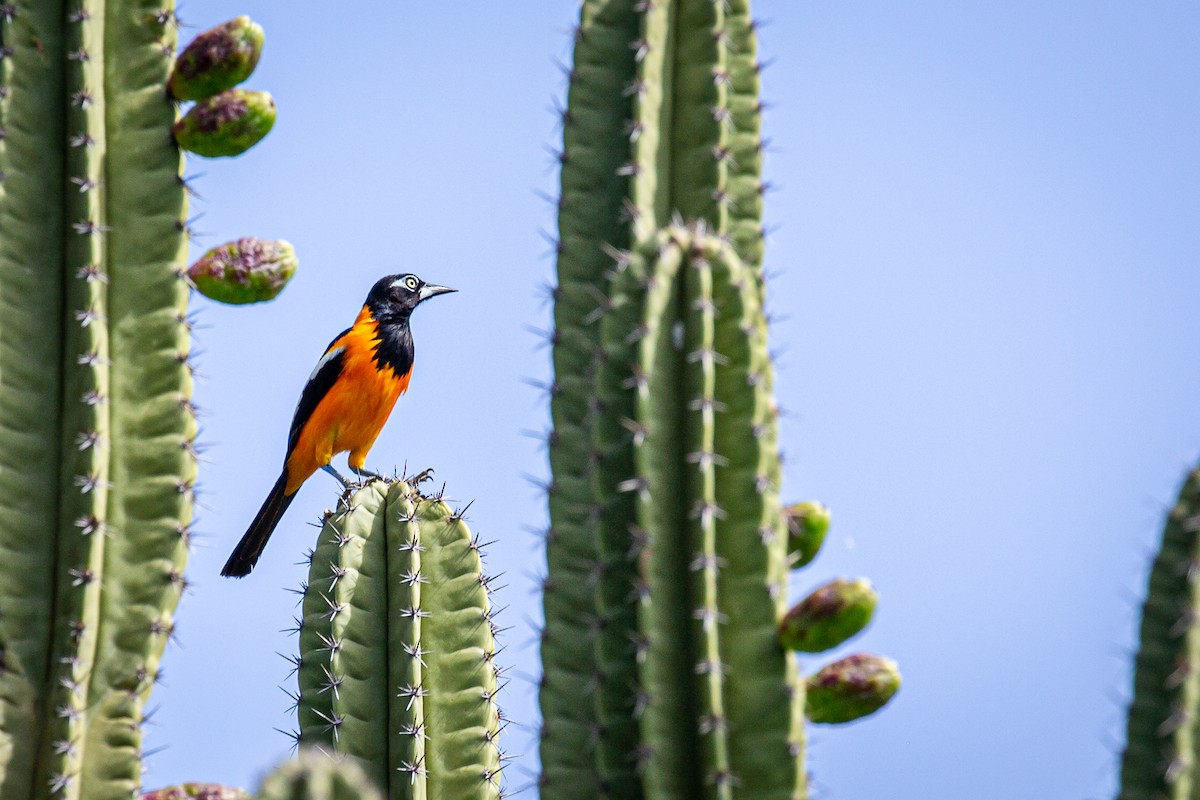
column 345, row 403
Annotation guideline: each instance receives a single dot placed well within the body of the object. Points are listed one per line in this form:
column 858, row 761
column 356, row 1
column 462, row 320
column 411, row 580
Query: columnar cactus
column 661, row 119
column 1160, row 758
column 97, row 425
column 396, row 665
column 667, row 551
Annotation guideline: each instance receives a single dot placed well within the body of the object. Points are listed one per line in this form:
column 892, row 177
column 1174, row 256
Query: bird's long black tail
column 246, row 554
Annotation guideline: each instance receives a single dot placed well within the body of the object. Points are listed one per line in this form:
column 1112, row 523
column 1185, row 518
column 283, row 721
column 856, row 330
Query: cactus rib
column 593, row 189
column 32, row 239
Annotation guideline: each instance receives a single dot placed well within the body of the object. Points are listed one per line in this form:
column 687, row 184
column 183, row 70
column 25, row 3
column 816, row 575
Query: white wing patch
column 325, row 359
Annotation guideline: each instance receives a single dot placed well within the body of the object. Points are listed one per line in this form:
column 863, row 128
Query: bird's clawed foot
column 421, row 477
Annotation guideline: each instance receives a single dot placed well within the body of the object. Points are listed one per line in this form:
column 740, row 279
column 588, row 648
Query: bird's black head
column 394, row 297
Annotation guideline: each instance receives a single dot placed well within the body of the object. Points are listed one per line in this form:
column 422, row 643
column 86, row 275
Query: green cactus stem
column 657, row 107
column 397, row 654
column 246, row 270
column 197, row 791
column 682, row 382
column 216, row 60
column 667, row 550
column 1163, row 728
column 227, row 124
column 807, row 525
column 96, row 422
column 852, row 688
column 594, row 193
column 829, row 616
column 315, row 775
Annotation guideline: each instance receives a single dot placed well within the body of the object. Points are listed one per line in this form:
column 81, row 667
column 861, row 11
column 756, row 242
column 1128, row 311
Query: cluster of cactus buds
column 829, row 616
column 224, row 121
column 227, row 121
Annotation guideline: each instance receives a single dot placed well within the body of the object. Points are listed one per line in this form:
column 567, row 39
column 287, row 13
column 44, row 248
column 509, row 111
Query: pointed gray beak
column 429, row 290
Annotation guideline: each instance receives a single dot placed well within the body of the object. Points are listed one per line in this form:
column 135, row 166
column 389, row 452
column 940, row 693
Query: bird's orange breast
column 353, row 412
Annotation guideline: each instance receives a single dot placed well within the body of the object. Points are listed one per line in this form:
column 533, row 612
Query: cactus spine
column 396, row 664
column 1163, row 733
column 96, row 422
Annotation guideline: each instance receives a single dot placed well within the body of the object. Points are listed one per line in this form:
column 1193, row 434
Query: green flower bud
column 247, row 270
column 218, row 59
column 197, row 791
column 807, row 524
column 828, row 616
column 226, row 125
column 852, row 688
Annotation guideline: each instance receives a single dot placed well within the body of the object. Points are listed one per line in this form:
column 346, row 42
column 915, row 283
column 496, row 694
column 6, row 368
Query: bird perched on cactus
column 344, row 404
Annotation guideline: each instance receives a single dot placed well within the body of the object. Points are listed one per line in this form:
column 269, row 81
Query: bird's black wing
column 319, row 383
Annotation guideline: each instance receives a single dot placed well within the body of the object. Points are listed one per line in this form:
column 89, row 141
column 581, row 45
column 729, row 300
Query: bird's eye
column 411, row 282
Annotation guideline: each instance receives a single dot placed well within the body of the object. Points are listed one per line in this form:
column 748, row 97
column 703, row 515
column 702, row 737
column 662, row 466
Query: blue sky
column 985, row 273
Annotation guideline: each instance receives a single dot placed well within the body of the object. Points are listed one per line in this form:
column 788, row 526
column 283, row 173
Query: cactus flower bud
column 247, row 270
column 226, row 125
column 828, row 616
column 197, row 791
column 852, row 688
column 216, row 60
column 807, row 524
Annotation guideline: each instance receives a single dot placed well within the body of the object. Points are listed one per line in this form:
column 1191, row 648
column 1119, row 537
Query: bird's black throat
column 394, row 344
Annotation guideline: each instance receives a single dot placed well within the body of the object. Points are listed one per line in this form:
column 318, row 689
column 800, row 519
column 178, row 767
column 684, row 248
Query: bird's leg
column 363, row 472
column 341, row 478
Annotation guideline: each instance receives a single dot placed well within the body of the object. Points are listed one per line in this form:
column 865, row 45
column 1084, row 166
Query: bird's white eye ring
column 411, row 282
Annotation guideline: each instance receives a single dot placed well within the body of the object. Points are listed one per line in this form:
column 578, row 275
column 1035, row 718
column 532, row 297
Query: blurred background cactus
column 97, row 425
column 668, row 550
column 316, row 776
column 1163, row 729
